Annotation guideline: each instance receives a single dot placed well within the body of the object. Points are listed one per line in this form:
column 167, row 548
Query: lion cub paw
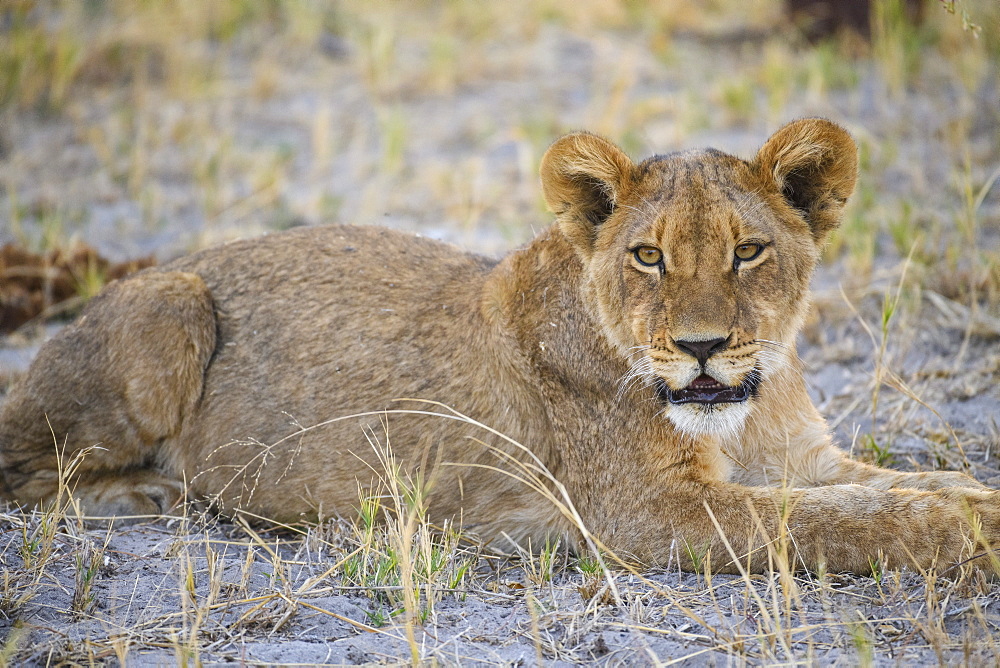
column 981, row 510
column 129, row 497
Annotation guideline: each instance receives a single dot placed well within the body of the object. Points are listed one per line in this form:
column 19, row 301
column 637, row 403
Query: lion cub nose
column 702, row 350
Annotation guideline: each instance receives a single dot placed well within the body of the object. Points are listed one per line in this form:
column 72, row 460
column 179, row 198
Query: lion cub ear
column 583, row 178
column 814, row 164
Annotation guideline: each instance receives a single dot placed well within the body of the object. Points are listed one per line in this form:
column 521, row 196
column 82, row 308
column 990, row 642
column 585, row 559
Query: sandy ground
column 665, row 616
column 165, row 173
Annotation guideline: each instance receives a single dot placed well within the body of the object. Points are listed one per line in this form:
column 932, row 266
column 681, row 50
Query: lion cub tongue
column 705, row 382
column 706, row 390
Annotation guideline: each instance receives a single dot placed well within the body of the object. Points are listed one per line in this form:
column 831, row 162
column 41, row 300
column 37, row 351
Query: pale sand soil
column 665, row 616
column 466, row 173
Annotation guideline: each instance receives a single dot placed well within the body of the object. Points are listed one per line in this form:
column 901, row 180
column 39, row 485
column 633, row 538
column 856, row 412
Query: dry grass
column 194, row 591
column 165, row 126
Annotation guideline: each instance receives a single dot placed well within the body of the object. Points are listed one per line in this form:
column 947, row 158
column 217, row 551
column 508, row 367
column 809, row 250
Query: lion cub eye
column 647, row 255
column 745, row 252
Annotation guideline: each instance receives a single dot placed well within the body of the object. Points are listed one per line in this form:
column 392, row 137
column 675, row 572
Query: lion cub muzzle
column 710, row 387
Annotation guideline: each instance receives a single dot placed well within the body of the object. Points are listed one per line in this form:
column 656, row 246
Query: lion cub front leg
column 104, row 393
column 828, row 465
column 840, row 528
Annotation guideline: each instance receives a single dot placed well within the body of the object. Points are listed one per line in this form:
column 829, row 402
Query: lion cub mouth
column 706, row 390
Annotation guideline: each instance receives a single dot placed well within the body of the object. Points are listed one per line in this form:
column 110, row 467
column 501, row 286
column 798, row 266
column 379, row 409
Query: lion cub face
column 698, row 264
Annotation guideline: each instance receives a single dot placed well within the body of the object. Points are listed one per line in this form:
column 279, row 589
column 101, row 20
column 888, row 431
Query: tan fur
column 223, row 369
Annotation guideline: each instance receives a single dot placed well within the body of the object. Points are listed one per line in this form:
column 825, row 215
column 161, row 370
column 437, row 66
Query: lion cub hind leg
column 105, row 392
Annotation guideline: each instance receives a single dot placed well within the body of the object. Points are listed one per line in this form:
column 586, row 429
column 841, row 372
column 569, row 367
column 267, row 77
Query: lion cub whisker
column 641, row 371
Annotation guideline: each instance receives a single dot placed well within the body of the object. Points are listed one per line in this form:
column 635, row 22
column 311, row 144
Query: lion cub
column 641, row 350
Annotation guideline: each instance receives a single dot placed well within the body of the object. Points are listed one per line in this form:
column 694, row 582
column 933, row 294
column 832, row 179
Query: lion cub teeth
column 706, row 390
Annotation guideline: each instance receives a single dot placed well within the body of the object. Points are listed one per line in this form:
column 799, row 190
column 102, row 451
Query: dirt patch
column 175, row 591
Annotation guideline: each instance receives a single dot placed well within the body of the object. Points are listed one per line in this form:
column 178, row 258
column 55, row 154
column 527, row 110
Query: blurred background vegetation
column 161, row 126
